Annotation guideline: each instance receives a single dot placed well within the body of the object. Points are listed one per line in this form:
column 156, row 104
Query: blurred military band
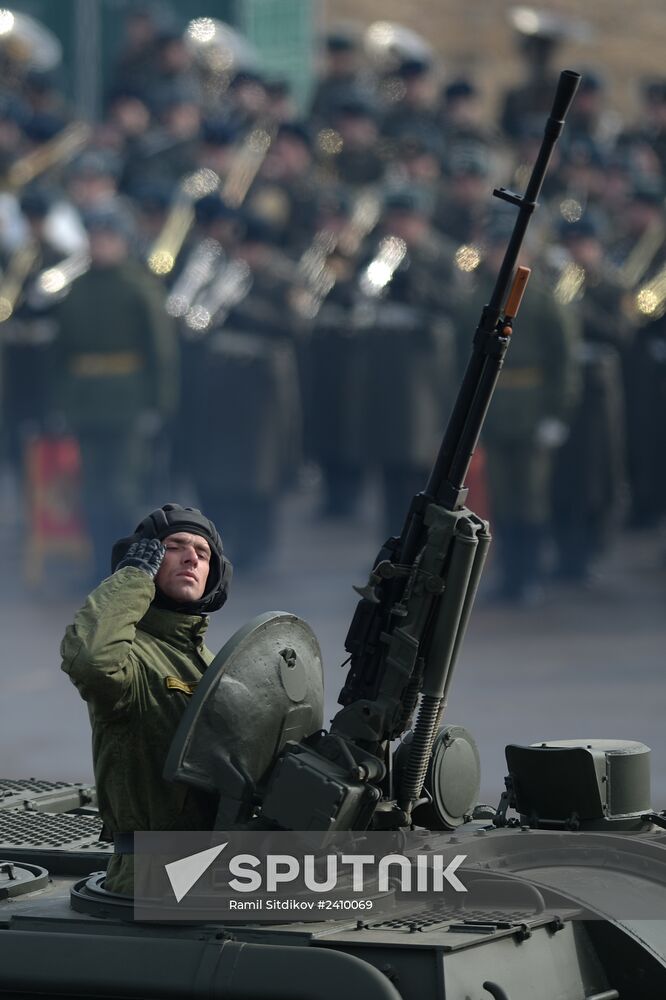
column 209, row 291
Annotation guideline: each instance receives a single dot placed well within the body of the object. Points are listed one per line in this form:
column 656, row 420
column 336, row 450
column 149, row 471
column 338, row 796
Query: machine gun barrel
column 446, row 483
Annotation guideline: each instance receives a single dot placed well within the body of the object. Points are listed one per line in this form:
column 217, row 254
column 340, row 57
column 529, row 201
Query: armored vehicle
column 557, row 893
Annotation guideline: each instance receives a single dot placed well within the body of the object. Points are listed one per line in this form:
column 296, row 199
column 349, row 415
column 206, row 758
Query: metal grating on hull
column 28, row 830
column 433, row 917
column 45, row 796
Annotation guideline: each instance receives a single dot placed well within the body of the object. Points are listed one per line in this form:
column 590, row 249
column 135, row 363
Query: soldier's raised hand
column 146, row 554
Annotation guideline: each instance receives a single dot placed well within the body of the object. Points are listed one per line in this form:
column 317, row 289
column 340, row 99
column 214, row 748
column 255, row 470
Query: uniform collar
column 178, row 629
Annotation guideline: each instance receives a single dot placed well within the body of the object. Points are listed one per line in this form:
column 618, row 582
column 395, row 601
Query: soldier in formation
column 591, row 462
column 114, row 375
column 528, row 420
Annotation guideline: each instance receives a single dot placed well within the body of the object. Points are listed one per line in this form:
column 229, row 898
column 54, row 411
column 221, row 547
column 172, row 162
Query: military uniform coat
column 248, row 397
column 539, row 380
column 116, row 350
column 136, row 666
column 407, row 361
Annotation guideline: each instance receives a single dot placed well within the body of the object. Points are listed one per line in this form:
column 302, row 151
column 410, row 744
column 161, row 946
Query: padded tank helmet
column 167, row 520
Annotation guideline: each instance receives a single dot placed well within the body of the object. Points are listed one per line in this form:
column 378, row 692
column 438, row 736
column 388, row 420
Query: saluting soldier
column 115, row 374
column 406, row 349
column 527, row 420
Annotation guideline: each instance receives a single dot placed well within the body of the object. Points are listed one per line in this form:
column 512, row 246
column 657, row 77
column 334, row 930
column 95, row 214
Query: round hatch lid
column 16, row 879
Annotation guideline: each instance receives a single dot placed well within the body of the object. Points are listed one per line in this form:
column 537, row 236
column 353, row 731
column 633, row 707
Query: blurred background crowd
column 222, row 289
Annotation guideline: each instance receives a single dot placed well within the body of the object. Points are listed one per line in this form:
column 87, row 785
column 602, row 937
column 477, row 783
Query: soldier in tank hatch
column 136, row 652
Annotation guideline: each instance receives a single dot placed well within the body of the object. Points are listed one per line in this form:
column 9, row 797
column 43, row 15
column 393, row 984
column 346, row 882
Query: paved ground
column 588, row 663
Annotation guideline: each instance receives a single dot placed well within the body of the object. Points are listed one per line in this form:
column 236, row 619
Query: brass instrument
column 649, row 302
column 219, row 52
column 317, row 267
column 244, row 168
column 59, row 150
column 570, row 283
column 227, row 290
column 53, row 283
column 364, row 217
column 379, row 273
column 197, row 273
column 317, row 279
column 11, row 287
column 164, row 251
column 638, row 261
column 246, row 165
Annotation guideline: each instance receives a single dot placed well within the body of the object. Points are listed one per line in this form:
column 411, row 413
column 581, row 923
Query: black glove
column 146, row 555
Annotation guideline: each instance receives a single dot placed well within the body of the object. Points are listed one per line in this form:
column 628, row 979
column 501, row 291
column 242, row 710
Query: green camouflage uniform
column 136, row 665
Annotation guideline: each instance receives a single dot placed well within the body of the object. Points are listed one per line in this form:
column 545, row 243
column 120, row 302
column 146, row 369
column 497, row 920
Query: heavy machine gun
column 410, row 622
column 405, row 634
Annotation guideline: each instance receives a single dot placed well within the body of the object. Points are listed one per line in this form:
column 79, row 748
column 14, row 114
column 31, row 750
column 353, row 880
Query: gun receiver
column 409, row 625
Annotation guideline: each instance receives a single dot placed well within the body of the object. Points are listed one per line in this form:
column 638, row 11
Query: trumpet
column 164, row 251
column 59, row 150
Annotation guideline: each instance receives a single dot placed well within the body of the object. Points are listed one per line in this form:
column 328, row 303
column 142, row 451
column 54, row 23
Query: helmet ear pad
column 168, row 520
